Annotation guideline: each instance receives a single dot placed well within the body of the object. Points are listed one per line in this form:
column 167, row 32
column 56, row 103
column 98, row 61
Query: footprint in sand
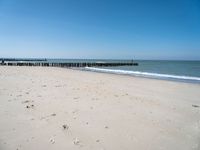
column 30, row 106
column 195, row 106
column 116, row 95
column 53, row 114
column 47, row 117
column 75, row 111
column 25, row 102
column 125, row 94
column 106, row 127
column 58, row 86
column 65, row 126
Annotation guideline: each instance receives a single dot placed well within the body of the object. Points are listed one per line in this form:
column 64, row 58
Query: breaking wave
column 144, row 74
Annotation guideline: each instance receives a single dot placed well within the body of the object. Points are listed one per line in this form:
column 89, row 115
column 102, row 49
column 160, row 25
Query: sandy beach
column 64, row 109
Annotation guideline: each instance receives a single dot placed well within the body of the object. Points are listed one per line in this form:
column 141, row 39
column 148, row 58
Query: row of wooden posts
column 70, row 64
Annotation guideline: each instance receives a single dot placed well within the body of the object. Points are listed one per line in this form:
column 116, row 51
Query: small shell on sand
column 52, row 141
column 76, row 141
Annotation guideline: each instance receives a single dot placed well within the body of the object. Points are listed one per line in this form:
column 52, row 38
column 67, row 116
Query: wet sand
column 55, row 108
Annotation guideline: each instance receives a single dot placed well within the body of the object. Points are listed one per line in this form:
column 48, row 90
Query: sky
column 100, row 29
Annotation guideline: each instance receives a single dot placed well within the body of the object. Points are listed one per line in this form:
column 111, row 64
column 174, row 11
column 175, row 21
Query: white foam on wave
column 145, row 74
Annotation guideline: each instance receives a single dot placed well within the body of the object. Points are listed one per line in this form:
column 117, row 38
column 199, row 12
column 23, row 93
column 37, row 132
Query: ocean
column 186, row 71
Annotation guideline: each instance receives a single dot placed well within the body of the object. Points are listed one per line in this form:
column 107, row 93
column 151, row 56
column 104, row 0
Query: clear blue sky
column 119, row 29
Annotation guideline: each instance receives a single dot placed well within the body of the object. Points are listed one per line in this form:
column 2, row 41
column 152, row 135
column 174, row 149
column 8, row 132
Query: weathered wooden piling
column 18, row 59
column 68, row 64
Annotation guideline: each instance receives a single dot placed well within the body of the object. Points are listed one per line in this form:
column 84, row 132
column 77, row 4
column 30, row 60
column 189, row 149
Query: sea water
column 187, row 71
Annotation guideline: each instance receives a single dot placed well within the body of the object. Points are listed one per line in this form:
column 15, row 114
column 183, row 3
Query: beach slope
column 55, row 108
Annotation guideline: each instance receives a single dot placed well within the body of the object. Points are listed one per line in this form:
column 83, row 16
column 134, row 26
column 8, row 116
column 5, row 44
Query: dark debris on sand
column 195, row 106
column 65, row 126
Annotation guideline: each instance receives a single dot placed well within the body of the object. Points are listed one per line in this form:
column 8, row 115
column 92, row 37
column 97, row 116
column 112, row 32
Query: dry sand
column 64, row 109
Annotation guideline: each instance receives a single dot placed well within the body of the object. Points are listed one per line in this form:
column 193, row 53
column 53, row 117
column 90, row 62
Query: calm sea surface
column 187, row 71
column 180, row 68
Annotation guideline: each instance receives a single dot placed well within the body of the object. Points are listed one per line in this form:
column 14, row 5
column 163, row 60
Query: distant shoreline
column 181, row 71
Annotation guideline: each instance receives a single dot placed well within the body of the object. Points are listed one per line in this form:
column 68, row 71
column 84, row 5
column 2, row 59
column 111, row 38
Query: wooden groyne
column 18, row 59
column 71, row 64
